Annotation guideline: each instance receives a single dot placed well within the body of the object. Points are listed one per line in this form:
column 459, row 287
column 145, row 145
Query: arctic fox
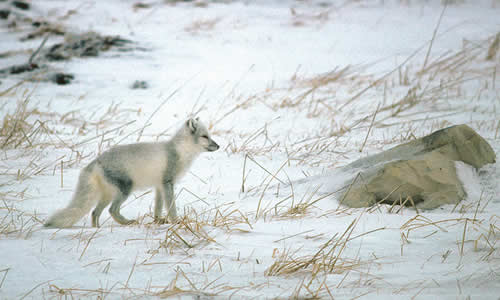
column 114, row 174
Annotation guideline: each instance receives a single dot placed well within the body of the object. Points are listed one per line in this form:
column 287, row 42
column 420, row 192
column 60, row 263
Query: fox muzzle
column 212, row 146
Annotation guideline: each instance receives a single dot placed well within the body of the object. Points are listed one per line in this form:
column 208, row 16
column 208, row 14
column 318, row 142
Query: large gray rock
column 422, row 171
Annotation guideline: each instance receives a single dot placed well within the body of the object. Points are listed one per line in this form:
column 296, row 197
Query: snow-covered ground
column 289, row 90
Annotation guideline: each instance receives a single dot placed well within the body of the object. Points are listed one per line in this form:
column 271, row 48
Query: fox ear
column 192, row 124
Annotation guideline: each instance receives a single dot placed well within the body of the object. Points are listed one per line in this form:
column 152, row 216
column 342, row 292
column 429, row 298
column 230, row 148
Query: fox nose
column 213, row 146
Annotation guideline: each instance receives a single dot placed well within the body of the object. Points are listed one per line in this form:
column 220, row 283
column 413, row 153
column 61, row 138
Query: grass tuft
column 328, row 259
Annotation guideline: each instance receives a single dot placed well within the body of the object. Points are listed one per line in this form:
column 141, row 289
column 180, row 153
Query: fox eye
column 205, row 137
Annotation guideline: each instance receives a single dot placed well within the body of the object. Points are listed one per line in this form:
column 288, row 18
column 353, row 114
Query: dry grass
column 483, row 234
column 336, row 99
column 26, row 133
column 22, row 128
column 202, row 26
column 173, row 290
column 196, row 230
column 417, row 97
column 293, row 208
column 65, row 293
column 14, row 222
column 27, row 129
column 328, row 259
column 303, row 18
column 493, row 49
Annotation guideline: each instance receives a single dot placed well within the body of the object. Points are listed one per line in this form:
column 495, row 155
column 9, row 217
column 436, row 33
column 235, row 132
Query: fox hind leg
column 96, row 213
column 104, row 195
column 124, row 186
column 114, row 210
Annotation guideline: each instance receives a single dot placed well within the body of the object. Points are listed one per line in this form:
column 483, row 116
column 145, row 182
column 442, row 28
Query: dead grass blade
column 88, row 242
column 202, row 25
column 328, row 259
column 489, row 233
column 34, row 288
column 5, row 272
column 493, row 49
column 434, row 35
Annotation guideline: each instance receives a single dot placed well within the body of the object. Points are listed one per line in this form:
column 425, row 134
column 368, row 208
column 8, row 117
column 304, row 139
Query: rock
column 4, row 14
column 85, row 45
column 427, row 182
column 141, row 5
column 74, row 45
column 17, row 69
column 62, row 78
column 460, row 143
column 139, row 84
column 21, row 4
column 421, row 172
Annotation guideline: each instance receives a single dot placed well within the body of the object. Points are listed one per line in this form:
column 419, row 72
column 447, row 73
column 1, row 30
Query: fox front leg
column 159, row 199
column 170, row 201
column 165, row 193
column 159, row 206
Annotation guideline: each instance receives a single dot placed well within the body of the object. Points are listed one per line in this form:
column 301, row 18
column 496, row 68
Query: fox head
column 200, row 135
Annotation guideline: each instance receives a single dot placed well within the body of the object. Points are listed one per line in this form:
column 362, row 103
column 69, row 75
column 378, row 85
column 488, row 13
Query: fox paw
column 160, row 220
column 166, row 220
column 130, row 222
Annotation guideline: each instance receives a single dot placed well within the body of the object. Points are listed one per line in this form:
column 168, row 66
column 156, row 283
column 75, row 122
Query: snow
column 244, row 67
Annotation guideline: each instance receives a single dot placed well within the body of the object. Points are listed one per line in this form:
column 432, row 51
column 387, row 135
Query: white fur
column 145, row 164
column 147, row 171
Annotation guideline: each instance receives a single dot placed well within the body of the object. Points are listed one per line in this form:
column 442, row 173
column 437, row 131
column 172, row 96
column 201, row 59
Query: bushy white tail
column 85, row 198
